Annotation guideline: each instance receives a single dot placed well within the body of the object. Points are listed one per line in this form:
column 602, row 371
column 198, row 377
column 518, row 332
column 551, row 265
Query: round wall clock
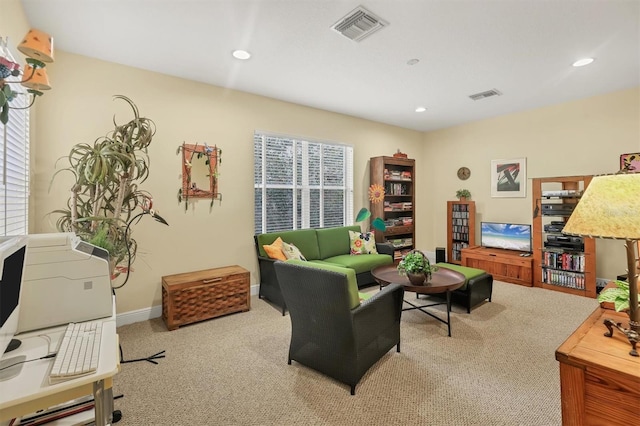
column 464, row 173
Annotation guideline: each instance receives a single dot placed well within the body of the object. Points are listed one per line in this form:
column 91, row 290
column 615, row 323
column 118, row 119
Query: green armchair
column 332, row 331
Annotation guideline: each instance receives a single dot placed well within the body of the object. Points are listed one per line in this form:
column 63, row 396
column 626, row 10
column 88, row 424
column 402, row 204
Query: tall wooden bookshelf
column 461, row 228
column 397, row 177
column 561, row 262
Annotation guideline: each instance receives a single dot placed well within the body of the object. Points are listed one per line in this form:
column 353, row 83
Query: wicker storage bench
column 195, row 296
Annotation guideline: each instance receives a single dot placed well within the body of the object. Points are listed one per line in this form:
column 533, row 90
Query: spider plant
column 106, row 190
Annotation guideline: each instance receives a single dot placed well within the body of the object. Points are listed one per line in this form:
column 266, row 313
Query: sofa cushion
column 362, row 243
column 274, row 250
column 468, row 273
column 334, row 241
column 292, row 252
column 362, row 263
column 304, row 239
column 352, row 284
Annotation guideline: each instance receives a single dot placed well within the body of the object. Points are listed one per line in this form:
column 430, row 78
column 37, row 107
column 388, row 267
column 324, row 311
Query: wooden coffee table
column 442, row 281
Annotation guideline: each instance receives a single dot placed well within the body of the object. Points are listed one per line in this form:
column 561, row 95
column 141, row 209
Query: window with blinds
column 301, row 183
column 14, row 168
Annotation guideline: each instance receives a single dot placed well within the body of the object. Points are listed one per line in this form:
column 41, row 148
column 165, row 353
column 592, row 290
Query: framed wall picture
column 630, row 162
column 509, row 178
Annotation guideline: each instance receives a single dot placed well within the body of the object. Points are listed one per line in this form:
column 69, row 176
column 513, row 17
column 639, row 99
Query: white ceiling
column 523, row 48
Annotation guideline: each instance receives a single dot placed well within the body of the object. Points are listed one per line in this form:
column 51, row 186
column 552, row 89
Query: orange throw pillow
column 274, row 250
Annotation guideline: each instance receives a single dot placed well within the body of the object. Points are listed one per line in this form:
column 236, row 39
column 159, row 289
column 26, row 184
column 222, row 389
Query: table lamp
column 610, row 208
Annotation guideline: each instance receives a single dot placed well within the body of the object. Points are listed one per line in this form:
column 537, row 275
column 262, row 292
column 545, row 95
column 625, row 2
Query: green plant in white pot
column 417, row 267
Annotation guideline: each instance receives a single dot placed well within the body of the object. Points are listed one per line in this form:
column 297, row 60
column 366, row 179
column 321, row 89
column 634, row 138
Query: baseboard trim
column 154, row 312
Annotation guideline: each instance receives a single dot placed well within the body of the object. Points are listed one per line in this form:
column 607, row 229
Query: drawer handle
column 212, row 280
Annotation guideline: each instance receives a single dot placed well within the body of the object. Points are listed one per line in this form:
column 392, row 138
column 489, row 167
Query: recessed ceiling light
column 413, row 61
column 421, row 109
column 241, row 54
column 582, row 62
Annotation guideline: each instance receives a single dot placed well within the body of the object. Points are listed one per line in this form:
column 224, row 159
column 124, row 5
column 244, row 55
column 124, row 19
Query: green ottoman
column 477, row 288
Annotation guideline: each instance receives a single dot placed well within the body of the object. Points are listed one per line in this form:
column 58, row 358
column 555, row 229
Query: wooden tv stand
column 504, row 265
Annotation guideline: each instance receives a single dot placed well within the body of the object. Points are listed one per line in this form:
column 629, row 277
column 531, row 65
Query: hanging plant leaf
column 363, row 214
column 378, row 224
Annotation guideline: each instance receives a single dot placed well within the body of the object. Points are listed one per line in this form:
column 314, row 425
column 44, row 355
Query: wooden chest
column 200, row 295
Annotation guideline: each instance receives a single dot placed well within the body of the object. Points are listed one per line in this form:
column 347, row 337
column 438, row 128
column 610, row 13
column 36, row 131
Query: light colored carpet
column 498, row 368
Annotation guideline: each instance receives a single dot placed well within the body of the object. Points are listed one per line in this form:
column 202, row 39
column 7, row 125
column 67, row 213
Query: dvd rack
column 561, row 262
column 564, row 278
column 460, row 228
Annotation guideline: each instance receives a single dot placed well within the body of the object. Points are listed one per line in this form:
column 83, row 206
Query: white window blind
column 14, row 168
column 301, row 183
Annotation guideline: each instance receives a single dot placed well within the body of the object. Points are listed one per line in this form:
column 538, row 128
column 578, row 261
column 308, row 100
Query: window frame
column 302, row 191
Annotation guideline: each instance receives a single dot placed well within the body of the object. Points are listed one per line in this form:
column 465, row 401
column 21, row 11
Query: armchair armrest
column 385, row 248
column 381, row 311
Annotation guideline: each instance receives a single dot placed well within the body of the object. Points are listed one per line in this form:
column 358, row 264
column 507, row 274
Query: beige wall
column 576, row 138
column 80, row 109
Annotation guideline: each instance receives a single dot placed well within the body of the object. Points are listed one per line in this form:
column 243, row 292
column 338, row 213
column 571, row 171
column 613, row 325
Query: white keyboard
column 78, row 352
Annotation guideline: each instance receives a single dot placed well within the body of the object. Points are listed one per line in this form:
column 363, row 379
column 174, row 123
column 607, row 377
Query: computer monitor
column 12, row 261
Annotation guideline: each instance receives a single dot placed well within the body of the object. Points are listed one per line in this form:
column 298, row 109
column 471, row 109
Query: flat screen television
column 508, row 236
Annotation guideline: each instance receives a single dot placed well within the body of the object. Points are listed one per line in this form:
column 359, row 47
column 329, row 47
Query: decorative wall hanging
column 509, row 178
column 199, row 172
column 630, row 163
column 376, row 193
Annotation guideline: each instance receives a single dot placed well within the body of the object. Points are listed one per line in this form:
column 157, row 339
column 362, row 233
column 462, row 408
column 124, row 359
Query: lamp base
column 631, row 333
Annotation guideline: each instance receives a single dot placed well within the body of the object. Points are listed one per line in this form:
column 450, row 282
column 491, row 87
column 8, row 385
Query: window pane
column 257, row 159
column 314, row 209
column 257, row 210
column 279, row 212
column 14, row 178
column 333, row 207
column 334, row 161
column 314, row 164
column 299, row 213
column 279, row 161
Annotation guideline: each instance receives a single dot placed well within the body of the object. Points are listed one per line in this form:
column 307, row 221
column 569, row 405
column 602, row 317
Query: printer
column 65, row 280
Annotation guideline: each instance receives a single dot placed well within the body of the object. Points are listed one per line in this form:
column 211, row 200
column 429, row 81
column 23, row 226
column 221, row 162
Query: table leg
column 100, row 399
column 449, row 312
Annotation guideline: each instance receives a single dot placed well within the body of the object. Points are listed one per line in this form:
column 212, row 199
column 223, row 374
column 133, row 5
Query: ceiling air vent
column 359, row 24
column 487, row 94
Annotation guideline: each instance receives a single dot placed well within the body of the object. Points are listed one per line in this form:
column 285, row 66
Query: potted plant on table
column 463, row 194
column 416, row 266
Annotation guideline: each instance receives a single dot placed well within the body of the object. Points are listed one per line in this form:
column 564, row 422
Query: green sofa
column 320, row 246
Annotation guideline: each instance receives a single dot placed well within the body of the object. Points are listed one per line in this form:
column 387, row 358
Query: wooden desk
column 30, row 391
column 599, row 380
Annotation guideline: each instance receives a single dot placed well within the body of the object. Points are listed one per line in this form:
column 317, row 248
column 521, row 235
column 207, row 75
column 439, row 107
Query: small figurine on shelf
column 463, row 194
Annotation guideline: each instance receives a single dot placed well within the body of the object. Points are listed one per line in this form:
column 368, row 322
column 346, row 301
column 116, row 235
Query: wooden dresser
column 599, row 380
column 200, row 295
